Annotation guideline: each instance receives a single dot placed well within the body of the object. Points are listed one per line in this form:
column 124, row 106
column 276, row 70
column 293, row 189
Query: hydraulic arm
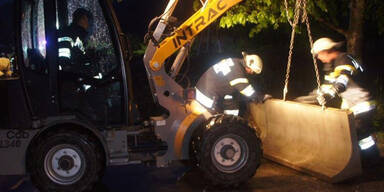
column 211, row 10
column 175, row 129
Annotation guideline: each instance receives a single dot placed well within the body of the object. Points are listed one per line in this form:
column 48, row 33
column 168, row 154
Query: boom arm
column 212, row 10
column 176, row 128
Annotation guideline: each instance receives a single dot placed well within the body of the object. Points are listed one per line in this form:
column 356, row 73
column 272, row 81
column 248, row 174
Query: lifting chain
column 305, row 18
column 300, row 4
column 295, row 22
column 286, row 11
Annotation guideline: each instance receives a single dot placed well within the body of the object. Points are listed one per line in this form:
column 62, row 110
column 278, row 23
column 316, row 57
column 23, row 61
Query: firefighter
column 341, row 71
column 216, row 90
column 72, row 43
column 76, row 63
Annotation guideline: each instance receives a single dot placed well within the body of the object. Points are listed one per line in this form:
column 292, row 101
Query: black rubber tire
column 93, row 160
column 203, row 143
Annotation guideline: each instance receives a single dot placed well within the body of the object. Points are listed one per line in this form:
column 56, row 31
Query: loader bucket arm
column 177, row 127
column 184, row 34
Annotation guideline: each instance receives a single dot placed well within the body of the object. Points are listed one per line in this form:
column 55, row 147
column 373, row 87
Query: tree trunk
column 355, row 34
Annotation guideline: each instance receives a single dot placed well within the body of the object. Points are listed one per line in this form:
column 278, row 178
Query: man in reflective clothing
column 72, row 41
column 216, row 90
column 340, row 80
column 75, row 62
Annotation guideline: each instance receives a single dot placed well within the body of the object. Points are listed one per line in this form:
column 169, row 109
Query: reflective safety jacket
column 341, row 80
column 72, row 53
column 221, row 82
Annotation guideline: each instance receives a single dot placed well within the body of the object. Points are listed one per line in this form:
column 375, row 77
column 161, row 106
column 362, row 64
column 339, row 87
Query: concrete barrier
column 320, row 142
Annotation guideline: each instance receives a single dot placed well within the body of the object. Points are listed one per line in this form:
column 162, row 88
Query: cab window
column 33, row 35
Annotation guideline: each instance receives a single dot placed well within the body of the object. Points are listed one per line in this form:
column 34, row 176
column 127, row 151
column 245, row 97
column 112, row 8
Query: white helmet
column 323, row 44
column 254, row 62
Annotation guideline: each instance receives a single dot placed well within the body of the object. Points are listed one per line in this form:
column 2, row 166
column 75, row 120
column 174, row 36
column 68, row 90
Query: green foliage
column 262, row 14
column 137, row 45
column 139, row 49
column 196, row 5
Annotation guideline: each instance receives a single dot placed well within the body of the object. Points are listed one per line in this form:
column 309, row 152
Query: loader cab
column 92, row 86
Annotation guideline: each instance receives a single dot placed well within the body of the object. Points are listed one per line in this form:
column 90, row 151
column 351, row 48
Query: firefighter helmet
column 254, row 62
column 323, row 44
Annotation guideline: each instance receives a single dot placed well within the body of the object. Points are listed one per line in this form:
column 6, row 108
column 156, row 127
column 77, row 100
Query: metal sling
column 300, row 6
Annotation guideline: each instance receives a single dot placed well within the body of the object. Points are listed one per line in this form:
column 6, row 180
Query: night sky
column 6, row 23
column 138, row 14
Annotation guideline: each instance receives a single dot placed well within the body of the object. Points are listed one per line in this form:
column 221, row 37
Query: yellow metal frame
column 211, row 11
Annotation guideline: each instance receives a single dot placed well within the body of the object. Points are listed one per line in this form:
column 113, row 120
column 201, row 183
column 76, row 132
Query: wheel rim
column 64, row 164
column 230, row 153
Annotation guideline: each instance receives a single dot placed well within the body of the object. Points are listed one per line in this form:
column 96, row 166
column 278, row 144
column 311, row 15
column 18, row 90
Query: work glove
column 266, row 97
column 261, row 98
column 323, row 98
column 257, row 98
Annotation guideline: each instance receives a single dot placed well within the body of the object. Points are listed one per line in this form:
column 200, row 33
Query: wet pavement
column 270, row 177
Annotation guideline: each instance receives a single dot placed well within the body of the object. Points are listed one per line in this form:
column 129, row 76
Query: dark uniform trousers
column 341, row 81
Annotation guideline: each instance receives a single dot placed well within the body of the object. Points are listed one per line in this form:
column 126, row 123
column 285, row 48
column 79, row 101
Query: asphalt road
column 270, row 177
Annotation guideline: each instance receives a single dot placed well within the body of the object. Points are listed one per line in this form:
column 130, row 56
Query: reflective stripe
column 228, row 97
column 203, row 99
column 329, row 78
column 355, row 63
column 362, row 107
column 86, row 87
column 224, row 66
column 332, row 76
column 79, row 44
column 343, row 79
column 366, row 143
column 232, row 112
column 248, row 91
column 62, row 39
column 98, row 76
column 66, row 39
column 331, row 92
column 336, row 77
column 238, row 81
column 349, row 68
column 65, row 52
column 327, row 88
column 344, row 104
